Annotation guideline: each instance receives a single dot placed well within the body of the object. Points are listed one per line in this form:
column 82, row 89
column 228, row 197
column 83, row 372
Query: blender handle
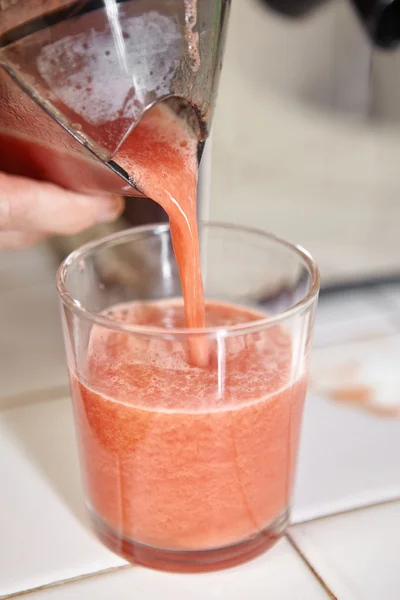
column 380, row 18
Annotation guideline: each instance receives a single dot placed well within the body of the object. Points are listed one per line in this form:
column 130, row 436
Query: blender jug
column 77, row 76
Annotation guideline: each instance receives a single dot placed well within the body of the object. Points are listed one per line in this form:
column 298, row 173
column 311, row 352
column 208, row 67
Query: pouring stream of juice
column 161, row 156
column 178, row 458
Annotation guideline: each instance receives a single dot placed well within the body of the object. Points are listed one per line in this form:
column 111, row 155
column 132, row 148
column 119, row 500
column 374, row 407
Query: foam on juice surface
column 154, row 373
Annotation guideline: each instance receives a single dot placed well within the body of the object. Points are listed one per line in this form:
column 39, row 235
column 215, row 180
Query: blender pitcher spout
column 97, row 66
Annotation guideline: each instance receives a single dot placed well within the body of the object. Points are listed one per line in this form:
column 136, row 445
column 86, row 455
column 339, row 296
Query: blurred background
column 306, row 137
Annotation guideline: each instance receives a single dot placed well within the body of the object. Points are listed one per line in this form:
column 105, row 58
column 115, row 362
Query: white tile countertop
column 344, row 543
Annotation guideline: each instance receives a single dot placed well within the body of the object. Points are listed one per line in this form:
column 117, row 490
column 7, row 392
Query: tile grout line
column 347, row 511
column 323, row 584
column 310, row 567
column 55, row 584
column 304, row 558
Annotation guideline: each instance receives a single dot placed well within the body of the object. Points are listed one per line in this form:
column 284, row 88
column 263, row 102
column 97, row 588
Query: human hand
column 33, row 210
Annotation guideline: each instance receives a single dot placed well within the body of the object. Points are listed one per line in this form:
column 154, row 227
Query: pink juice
column 185, row 458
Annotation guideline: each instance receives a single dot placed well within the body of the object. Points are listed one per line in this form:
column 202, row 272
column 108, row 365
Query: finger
column 28, row 205
column 16, row 240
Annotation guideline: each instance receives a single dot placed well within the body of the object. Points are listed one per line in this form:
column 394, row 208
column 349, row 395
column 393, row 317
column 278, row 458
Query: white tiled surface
column 363, row 373
column 279, row 575
column 42, row 520
column 349, row 458
column 357, row 347
column 356, row 554
column 361, row 470
column 31, row 349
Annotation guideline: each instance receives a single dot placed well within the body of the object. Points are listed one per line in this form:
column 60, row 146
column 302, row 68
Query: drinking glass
column 188, row 468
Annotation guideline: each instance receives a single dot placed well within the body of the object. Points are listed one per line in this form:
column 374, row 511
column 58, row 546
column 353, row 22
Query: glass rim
column 218, row 331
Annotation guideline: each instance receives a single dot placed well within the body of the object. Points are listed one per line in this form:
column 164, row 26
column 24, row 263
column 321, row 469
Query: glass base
column 190, row 561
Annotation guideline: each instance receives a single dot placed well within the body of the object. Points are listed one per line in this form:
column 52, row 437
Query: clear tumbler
column 187, row 468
